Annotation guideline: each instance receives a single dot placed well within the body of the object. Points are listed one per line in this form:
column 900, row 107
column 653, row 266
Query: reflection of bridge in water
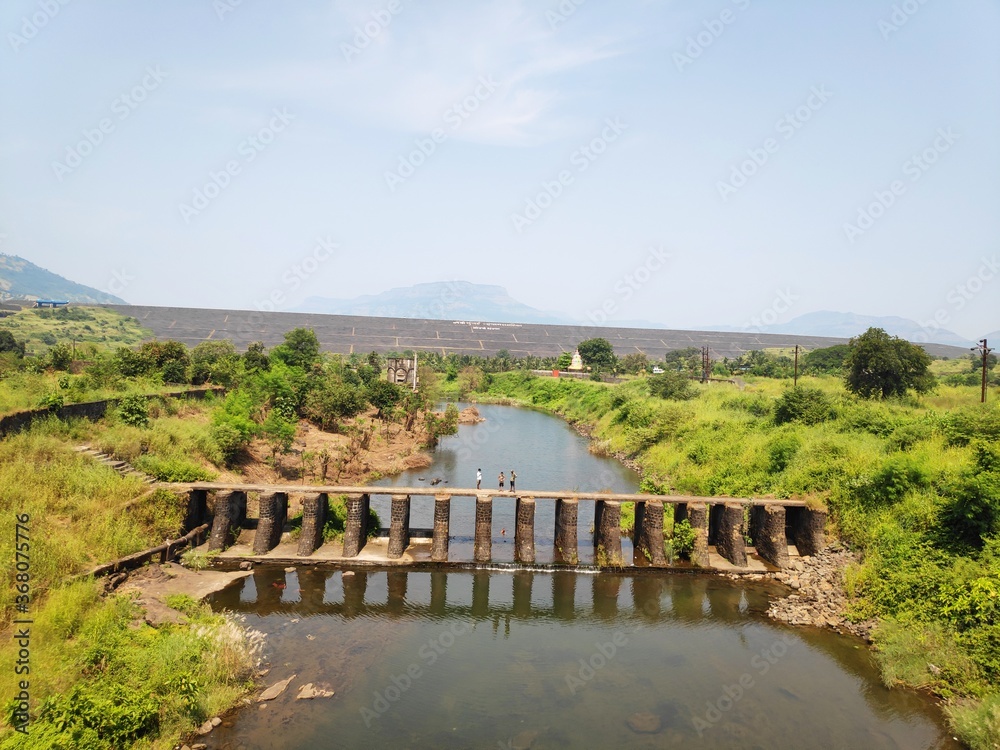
column 486, row 595
column 778, row 528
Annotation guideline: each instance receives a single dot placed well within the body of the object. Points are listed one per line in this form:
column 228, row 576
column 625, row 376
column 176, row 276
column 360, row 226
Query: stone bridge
column 777, row 528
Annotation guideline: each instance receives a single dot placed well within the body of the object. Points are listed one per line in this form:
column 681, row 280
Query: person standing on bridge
column 501, row 481
column 513, row 476
column 479, row 478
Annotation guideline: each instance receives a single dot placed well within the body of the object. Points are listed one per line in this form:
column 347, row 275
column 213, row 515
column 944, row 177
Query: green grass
column 91, row 328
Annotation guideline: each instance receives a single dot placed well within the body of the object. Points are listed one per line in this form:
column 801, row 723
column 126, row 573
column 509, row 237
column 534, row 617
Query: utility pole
column 985, row 351
column 795, row 380
column 705, row 364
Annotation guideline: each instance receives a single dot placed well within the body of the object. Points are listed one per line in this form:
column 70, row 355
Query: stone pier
column 648, row 532
column 696, row 514
column 315, row 507
column 730, row 542
column 271, row 515
column 524, row 530
column 356, row 526
column 607, row 533
column 808, row 527
column 197, row 509
column 399, row 526
column 355, row 587
column 767, row 529
column 566, row 539
column 442, row 524
column 484, row 529
column 230, row 515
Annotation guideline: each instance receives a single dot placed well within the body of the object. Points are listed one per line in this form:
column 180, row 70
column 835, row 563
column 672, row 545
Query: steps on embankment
column 124, row 468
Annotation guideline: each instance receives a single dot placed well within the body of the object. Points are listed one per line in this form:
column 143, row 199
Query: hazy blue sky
column 681, row 162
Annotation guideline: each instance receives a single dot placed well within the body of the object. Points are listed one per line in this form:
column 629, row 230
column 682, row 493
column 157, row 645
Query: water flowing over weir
column 530, row 655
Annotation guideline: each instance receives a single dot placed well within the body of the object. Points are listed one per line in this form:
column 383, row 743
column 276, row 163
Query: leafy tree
column 214, row 361
column 300, row 349
column 9, row 344
column 439, row 426
column 279, row 431
column 971, row 513
column 332, row 400
column 634, row 363
column 60, row 356
column 882, row 365
column 597, row 353
column 384, row 396
column 255, row 358
column 564, row 361
column 672, row 385
column 826, row 361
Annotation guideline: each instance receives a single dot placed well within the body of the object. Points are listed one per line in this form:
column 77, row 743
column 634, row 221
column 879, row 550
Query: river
column 543, row 659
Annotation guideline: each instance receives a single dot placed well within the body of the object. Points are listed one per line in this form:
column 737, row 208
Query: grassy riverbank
column 911, row 483
column 99, row 676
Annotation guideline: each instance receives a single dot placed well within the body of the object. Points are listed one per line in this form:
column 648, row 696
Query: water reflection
column 564, row 659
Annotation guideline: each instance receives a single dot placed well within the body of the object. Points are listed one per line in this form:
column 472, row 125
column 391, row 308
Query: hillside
column 22, row 279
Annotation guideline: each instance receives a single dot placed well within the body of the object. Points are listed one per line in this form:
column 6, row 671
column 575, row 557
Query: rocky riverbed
column 817, row 597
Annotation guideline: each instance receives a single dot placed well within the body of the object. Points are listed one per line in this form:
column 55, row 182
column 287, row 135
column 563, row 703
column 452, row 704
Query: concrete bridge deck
column 336, row 489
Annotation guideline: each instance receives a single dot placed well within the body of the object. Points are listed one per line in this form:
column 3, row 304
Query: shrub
column 173, row 469
column 781, row 451
column 133, row 410
column 683, row 537
column 671, row 385
column 805, row 405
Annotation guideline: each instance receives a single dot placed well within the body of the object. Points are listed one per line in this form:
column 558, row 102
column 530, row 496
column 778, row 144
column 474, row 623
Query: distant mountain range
column 846, row 325
column 22, row 279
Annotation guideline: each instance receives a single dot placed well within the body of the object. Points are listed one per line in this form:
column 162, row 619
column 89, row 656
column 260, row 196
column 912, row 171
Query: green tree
column 60, row 356
column 806, row 405
column 384, row 396
column 214, row 361
column 597, row 353
column 881, row 365
column 332, row 400
column 279, row 431
column 440, row 425
column 300, row 348
column 9, row 344
column 255, row 358
column 564, row 361
column 634, row 363
column 826, row 361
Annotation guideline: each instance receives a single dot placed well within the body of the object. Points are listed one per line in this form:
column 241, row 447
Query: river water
column 543, row 659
